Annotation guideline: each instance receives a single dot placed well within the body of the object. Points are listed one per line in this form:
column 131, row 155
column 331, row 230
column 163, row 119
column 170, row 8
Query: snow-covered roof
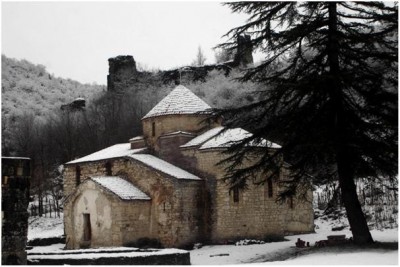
column 115, row 151
column 198, row 140
column 163, row 166
column 136, row 138
column 122, row 188
column 15, row 158
column 180, row 101
column 178, row 132
column 232, row 136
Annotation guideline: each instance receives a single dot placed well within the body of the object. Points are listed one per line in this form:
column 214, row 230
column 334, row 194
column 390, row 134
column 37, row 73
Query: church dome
column 180, row 101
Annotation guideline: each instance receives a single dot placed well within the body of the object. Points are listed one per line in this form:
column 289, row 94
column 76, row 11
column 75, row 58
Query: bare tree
column 200, row 58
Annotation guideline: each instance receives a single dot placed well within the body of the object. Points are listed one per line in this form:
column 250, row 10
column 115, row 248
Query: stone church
column 166, row 185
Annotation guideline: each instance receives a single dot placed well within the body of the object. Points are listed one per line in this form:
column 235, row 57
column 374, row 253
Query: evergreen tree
column 330, row 97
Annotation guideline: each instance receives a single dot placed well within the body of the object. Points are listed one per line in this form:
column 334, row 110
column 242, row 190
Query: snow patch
column 45, row 227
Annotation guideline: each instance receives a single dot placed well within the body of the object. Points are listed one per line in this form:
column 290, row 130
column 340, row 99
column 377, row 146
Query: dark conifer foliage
column 330, row 98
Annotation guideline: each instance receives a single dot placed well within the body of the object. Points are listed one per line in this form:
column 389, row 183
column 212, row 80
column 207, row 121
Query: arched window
column 270, row 187
column 108, row 168
column 77, row 175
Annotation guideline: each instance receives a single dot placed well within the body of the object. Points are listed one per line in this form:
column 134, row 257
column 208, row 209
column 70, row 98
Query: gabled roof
column 233, row 136
column 163, row 166
column 220, row 138
column 115, row 151
column 136, row 138
column 180, row 101
column 120, row 187
column 198, row 140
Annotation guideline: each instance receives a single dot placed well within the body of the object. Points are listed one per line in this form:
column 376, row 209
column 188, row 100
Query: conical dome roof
column 180, row 101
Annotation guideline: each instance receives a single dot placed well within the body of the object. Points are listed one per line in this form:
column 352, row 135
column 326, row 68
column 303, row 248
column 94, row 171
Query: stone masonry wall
column 114, row 222
column 170, row 198
column 14, row 202
column 187, row 227
column 255, row 215
column 174, row 203
column 172, row 123
column 300, row 218
column 169, row 150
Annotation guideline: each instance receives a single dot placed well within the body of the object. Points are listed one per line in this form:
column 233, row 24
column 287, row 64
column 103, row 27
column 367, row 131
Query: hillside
column 29, row 88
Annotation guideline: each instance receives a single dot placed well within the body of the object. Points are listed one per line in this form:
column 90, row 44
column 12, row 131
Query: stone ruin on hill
column 123, row 72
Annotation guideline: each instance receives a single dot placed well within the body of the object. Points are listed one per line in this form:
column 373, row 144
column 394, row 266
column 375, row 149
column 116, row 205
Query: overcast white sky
column 75, row 39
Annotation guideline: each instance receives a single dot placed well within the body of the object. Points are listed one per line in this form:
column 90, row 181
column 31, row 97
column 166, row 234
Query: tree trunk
column 345, row 167
column 355, row 215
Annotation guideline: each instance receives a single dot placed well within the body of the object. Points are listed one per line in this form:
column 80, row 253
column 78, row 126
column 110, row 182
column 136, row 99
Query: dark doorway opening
column 87, row 230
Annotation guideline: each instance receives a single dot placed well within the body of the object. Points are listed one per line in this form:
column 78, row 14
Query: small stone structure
column 167, row 185
column 14, row 205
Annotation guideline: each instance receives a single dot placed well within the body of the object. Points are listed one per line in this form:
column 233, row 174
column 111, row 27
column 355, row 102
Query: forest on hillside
column 29, row 88
column 35, row 126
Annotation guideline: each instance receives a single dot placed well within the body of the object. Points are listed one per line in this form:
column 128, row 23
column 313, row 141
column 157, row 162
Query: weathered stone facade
column 114, row 222
column 256, row 214
column 171, row 216
column 188, row 202
column 162, row 125
column 15, row 185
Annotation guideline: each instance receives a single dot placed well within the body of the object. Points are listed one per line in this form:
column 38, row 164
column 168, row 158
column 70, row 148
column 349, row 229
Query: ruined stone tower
column 122, row 72
column 244, row 53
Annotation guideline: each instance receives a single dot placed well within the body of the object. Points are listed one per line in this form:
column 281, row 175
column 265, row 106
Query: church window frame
column 291, row 204
column 78, row 175
column 153, row 129
column 235, row 193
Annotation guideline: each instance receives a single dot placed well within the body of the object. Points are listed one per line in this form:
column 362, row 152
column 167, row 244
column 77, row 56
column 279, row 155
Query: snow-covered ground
column 274, row 253
column 377, row 257
column 45, row 227
column 284, row 252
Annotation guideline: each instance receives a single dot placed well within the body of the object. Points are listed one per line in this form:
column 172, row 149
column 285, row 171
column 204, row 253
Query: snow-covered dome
column 180, row 101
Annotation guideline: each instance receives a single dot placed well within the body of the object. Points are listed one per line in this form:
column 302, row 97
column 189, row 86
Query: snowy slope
column 45, row 227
